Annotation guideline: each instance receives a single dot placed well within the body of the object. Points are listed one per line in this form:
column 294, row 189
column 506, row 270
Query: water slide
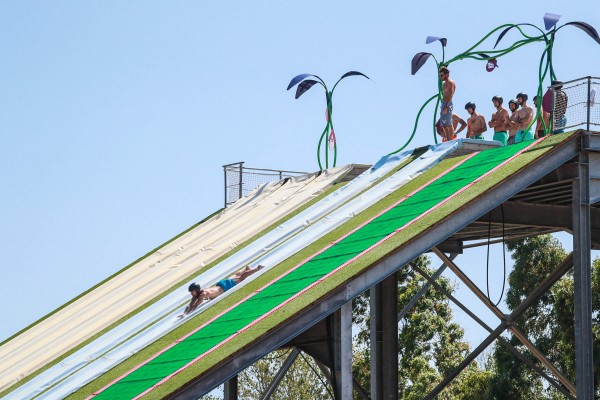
column 333, row 210
column 280, row 293
column 276, row 246
column 121, row 294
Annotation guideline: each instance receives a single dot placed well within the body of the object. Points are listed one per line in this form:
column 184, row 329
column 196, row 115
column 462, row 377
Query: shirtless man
column 523, row 119
column 476, row 123
column 456, row 119
column 199, row 294
column 543, row 119
column 499, row 121
column 513, row 106
column 448, row 89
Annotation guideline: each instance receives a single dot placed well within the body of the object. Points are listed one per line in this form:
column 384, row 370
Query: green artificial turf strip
column 314, row 269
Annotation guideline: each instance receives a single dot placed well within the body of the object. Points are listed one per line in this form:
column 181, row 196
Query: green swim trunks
column 480, row 137
column 522, row 136
column 501, row 137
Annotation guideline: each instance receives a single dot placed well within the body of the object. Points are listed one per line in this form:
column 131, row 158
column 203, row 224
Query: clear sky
column 116, row 116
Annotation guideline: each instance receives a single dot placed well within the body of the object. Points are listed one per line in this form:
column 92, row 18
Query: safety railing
column 240, row 180
column 574, row 105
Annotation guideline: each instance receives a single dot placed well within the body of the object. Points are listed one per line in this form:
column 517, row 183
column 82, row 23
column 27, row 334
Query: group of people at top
column 508, row 127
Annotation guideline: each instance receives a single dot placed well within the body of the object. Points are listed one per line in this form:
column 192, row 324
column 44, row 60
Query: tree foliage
column 303, row 381
column 430, row 344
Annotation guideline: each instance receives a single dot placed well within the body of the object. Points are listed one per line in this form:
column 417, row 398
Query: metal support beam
column 280, row 374
column 526, row 214
column 376, row 341
column 346, row 351
column 231, row 389
column 503, row 341
column 389, row 296
column 582, row 263
column 592, row 144
column 423, row 289
column 362, row 393
column 384, row 339
column 533, row 296
column 506, row 321
column 442, row 385
column 342, row 357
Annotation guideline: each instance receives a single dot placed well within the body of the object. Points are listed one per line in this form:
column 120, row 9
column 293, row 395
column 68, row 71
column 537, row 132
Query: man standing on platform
column 513, row 106
column 448, row 89
column 523, row 119
column 476, row 123
column 499, row 121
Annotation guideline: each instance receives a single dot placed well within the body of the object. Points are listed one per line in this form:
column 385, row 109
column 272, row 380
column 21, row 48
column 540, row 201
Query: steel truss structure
column 564, row 184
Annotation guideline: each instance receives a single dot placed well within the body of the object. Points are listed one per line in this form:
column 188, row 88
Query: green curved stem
column 329, row 128
column 470, row 53
column 486, row 37
column 319, row 147
column 416, row 123
column 334, row 153
column 541, row 76
column 496, row 53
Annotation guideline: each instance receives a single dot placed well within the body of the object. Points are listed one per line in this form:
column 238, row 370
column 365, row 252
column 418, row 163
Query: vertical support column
column 389, row 310
column 589, row 94
column 376, row 340
column 346, row 351
column 582, row 265
column 343, row 352
column 384, row 339
column 241, row 180
column 231, row 389
column 225, row 186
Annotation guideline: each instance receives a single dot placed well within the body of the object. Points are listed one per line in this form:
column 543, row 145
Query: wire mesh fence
column 240, row 180
column 574, row 105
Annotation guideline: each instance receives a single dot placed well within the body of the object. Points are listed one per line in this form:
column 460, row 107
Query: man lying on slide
column 199, row 294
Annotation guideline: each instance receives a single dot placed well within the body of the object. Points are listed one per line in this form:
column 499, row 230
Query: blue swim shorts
column 522, row 136
column 446, row 119
column 226, row 284
column 501, row 137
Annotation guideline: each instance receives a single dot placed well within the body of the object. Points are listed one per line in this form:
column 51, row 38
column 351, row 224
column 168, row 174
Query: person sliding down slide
column 199, row 294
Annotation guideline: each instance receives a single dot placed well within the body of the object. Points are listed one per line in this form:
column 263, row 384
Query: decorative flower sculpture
column 303, row 85
column 491, row 56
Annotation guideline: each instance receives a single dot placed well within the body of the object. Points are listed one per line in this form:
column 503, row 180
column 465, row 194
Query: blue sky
column 116, row 117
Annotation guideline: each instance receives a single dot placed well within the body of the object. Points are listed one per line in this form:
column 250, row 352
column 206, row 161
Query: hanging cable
column 325, row 385
column 487, row 271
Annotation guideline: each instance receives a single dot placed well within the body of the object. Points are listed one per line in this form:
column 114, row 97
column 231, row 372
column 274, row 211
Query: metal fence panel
column 240, row 180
